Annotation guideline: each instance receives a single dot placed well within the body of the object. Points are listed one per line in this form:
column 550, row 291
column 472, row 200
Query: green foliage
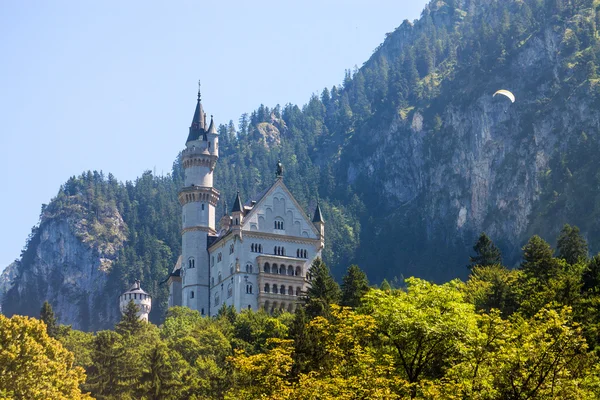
column 354, row 287
column 323, row 290
column 130, row 322
column 571, row 246
column 486, row 252
column 47, row 316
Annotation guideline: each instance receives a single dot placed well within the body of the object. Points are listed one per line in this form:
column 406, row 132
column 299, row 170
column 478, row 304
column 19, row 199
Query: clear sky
column 111, row 85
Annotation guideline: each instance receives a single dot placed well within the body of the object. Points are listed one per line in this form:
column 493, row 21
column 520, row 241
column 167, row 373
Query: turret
column 140, row 298
column 237, row 215
column 319, row 223
column 198, row 199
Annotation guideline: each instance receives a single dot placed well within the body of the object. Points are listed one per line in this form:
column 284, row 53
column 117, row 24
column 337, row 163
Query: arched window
column 275, row 289
column 290, row 270
column 282, row 270
column 275, row 250
column 249, row 268
column 236, row 221
column 274, row 269
column 266, row 288
column 249, row 288
column 252, row 247
column 290, row 291
column 283, row 251
column 192, row 294
column 217, row 299
column 191, row 262
column 282, row 289
column 220, row 277
column 298, row 271
column 260, row 248
column 229, row 290
column 267, row 268
column 298, row 291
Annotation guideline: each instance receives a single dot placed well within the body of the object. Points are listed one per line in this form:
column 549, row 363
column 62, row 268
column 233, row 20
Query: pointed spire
column 211, row 128
column 198, row 125
column 318, row 216
column 237, row 204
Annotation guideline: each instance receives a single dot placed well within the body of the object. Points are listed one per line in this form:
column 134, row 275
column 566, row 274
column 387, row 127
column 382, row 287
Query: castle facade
column 258, row 256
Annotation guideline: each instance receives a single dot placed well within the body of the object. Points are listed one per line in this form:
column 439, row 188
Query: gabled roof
column 266, row 193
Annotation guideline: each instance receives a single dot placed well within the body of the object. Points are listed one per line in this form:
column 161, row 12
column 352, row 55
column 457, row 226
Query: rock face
column 67, row 264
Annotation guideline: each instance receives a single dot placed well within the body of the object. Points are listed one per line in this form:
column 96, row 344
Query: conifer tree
column 571, row 246
column 130, row 322
column 385, row 286
column 47, row 315
column 354, row 286
column 537, row 259
column 486, row 252
column 323, row 290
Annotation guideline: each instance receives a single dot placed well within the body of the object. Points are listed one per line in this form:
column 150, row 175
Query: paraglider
column 507, row 94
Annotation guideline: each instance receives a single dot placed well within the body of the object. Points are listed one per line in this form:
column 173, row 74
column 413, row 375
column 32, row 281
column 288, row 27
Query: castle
column 258, row 256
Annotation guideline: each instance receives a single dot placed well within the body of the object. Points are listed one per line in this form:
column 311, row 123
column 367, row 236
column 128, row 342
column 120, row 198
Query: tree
column 537, row 259
column 130, row 322
column 423, row 328
column 47, row 316
column 385, row 286
column 486, row 252
column 571, row 245
column 323, row 290
column 591, row 275
column 354, row 287
column 35, row 366
column 159, row 380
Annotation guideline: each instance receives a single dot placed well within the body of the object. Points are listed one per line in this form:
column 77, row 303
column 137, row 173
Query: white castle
column 259, row 255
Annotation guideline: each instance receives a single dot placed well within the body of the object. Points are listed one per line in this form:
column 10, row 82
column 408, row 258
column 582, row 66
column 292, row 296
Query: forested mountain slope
column 411, row 158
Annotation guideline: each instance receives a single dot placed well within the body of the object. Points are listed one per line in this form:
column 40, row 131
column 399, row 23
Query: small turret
column 237, row 212
column 140, row 298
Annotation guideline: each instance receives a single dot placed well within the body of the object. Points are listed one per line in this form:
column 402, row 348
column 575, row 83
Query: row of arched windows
column 278, row 224
column 275, row 289
column 279, row 251
column 282, row 269
column 256, row 248
column 135, row 297
column 301, row 253
column 272, row 307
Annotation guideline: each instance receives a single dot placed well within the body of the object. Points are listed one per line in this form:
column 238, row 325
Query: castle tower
column 319, row 223
column 198, row 199
column 139, row 298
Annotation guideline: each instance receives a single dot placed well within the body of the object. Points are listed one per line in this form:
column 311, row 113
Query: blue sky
column 111, row 85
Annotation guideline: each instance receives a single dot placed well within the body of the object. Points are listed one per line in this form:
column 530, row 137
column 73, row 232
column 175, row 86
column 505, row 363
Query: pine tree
column 385, row 286
column 486, row 252
column 354, row 286
column 323, row 290
column 130, row 322
column 571, row 246
column 47, row 315
column 537, row 259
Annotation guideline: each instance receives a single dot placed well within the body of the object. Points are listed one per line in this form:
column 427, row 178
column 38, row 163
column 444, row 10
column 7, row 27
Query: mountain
column 411, row 158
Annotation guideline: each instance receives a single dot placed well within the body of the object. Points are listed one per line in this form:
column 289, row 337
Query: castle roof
column 237, row 204
column 318, row 216
column 135, row 288
column 211, row 128
column 198, row 126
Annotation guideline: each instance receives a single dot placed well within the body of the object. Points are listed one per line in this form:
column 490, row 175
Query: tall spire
column 198, row 126
column 237, row 204
column 318, row 216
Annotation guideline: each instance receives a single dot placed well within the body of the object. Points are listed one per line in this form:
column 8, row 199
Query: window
column 298, row 291
column 249, row 288
column 202, row 206
column 220, row 277
column 231, row 248
column 266, row 268
column 290, row 291
column 231, row 269
column 298, row 271
column 249, row 268
column 202, row 312
column 282, row 289
column 275, row 289
column 278, row 224
column 249, row 308
column 229, row 290
column 219, row 257
column 266, row 288
column 212, row 281
column 192, row 294
column 191, row 262
column 217, row 299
